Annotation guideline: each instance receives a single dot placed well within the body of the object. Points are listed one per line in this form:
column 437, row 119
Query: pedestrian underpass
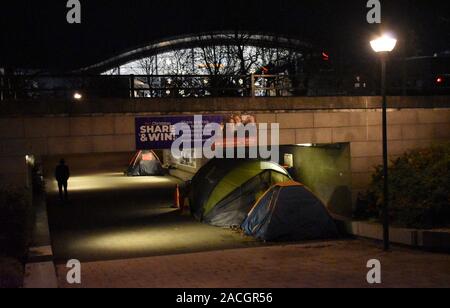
column 111, row 216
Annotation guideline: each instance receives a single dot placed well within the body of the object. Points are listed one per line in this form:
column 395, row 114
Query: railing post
column 13, row 84
column 2, row 86
column 149, row 82
column 132, row 94
column 252, row 85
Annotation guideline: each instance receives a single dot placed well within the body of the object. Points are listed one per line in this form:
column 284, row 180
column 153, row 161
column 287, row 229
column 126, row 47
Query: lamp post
column 383, row 46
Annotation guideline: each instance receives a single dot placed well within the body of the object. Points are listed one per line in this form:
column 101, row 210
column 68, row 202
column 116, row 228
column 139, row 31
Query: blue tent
column 289, row 212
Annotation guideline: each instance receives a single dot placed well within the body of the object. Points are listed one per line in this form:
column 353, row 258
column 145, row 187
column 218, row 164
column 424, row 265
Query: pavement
column 338, row 264
column 111, row 216
column 126, row 235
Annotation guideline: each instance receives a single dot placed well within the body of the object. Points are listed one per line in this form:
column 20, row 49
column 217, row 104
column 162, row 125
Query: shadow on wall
column 341, row 201
column 326, row 170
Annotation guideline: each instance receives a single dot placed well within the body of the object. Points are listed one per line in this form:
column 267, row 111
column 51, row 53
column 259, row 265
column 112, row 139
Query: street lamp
column 383, row 46
column 77, row 96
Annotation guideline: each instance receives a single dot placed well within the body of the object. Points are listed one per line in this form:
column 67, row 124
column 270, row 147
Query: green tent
column 224, row 190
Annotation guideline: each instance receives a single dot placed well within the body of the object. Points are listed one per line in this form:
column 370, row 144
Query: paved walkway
column 111, row 216
column 328, row 264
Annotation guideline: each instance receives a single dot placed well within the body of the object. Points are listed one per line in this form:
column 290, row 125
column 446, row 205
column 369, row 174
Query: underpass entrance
column 325, row 169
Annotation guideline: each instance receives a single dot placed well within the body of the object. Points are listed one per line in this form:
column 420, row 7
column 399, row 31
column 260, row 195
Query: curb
column 40, row 270
column 433, row 240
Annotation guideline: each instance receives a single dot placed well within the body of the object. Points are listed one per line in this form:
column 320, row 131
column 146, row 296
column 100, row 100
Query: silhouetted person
column 62, row 175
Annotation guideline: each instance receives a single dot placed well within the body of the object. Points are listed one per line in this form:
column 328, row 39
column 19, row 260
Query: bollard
column 176, row 197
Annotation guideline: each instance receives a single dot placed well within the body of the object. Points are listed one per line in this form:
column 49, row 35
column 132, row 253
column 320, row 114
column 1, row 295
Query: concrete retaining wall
column 414, row 123
column 408, row 129
column 434, row 240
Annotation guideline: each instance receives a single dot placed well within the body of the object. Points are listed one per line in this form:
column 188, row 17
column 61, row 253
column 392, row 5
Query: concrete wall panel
column 375, row 133
column 349, row 134
column 103, row 144
column 365, row 164
column 266, row 118
column 406, row 116
column 366, row 149
column 330, row 119
column 80, row 126
column 73, row 145
column 124, row 143
column 295, row 120
column 46, row 127
column 103, row 125
column 287, row 136
column 442, row 131
column 314, row 135
column 124, row 125
column 414, row 131
column 433, row 116
column 11, row 128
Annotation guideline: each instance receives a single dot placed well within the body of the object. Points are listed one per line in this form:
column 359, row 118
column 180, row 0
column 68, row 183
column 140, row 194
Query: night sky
column 35, row 34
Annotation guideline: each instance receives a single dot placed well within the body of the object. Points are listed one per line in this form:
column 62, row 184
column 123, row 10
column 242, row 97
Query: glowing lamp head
column 77, row 96
column 440, row 80
column 385, row 43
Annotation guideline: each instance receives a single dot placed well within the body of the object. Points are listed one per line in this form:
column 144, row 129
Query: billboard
column 157, row 133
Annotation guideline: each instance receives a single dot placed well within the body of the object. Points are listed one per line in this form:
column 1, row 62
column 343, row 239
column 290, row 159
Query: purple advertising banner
column 157, row 133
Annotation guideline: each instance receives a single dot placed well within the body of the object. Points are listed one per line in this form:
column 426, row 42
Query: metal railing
column 149, row 86
column 26, row 87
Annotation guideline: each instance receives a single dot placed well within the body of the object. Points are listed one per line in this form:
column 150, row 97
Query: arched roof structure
column 197, row 40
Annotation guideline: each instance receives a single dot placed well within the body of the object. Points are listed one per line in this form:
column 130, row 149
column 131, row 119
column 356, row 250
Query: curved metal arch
column 198, row 40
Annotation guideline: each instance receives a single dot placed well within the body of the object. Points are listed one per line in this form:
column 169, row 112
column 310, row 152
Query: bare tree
column 147, row 66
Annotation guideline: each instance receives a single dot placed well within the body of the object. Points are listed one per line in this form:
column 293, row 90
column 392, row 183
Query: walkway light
column 383, row 46
column 385, row 43
column 77, row 96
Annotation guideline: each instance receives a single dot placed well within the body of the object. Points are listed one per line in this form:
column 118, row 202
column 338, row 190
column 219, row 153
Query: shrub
column 419, row 189
column 16, row 218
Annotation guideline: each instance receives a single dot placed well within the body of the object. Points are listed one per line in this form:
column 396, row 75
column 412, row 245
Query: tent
column 289, row 212
column 145, row 163
column 224, row 190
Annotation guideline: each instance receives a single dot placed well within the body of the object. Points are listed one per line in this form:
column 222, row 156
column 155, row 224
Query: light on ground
column 104, row 181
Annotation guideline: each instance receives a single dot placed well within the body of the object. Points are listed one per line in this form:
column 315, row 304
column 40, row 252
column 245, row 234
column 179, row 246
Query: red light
column 325, row 56
column 439, row 80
